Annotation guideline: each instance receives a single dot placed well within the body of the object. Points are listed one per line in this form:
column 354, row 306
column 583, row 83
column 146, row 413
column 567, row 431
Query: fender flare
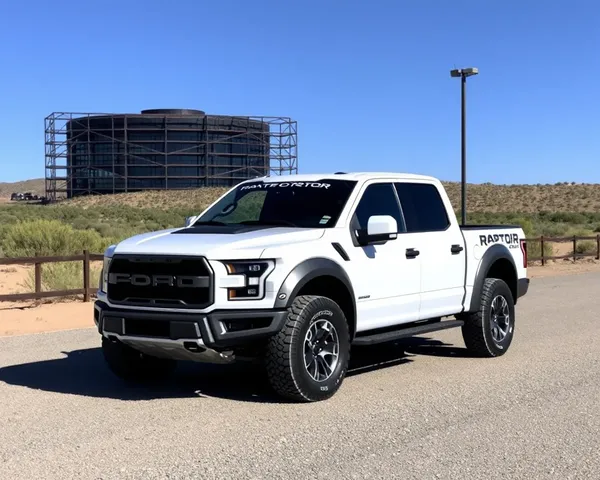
column 492, row 255
column 306, row 271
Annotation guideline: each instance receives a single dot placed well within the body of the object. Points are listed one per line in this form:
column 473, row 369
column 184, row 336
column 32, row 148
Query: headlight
column 246, row 279
column 104, row 274
column 106, row 264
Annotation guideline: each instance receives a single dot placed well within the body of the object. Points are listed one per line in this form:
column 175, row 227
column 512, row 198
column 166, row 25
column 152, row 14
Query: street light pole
column 463, row 150
column 463, row 74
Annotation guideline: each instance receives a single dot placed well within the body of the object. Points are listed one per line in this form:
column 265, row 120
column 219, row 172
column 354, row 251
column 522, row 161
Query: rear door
column 386, row 281
column 441, row 246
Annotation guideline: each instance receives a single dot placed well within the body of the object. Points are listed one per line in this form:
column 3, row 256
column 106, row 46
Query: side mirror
column 189, row 221
column 380, row 229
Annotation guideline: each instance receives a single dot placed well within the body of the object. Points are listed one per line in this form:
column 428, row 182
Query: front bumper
column 217, row 330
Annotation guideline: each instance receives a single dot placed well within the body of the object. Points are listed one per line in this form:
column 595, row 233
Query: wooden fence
column 86, row 291
column 543, row 241
column 88, row 257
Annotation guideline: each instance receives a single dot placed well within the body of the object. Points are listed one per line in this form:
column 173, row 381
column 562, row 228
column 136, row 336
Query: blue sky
column 367, row 81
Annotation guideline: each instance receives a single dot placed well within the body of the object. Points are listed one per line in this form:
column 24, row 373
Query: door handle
column 412, row 253
column 456, row 249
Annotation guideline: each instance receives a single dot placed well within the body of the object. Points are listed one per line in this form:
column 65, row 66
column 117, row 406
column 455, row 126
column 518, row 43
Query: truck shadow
column 84, row 372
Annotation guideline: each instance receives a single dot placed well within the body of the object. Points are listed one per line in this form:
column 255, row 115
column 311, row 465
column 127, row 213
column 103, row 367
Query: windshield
column 293, row 204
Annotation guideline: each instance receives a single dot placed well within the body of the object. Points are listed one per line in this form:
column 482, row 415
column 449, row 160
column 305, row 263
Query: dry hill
column 562, row 197
column 481, row 198
column 159, row 199
column 36, row 186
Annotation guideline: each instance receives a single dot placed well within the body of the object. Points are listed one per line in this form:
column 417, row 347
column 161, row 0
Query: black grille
column 168, row 282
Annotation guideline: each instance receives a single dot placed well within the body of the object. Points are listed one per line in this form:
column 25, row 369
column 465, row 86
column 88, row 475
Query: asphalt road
column 419, row 409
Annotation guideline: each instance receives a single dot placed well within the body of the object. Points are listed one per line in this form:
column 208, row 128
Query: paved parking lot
column 418, row 409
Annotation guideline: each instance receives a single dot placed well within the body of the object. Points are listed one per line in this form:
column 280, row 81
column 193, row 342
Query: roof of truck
column 313, row 177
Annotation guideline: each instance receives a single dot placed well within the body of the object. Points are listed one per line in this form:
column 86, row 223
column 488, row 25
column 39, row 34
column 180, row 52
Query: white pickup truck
column 295, row 270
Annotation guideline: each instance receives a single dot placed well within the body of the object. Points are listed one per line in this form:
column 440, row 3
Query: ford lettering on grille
column 179, row 281
column 160, row 281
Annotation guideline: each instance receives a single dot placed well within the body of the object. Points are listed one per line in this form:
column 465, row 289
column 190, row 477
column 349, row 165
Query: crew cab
column 297, row 270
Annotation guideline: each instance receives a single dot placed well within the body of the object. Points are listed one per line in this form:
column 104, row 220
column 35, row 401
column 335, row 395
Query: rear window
column 423, row 208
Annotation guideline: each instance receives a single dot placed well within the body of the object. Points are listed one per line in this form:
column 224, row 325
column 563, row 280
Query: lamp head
column 466, row 72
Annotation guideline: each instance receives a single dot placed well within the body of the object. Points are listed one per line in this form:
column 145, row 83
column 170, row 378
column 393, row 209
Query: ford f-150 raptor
column 295, row 270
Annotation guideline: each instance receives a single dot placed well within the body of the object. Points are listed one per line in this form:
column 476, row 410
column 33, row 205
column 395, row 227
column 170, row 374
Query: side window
column 378, row 199
column 423, row 208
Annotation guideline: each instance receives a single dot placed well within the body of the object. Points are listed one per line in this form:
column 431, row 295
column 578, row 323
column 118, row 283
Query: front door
column 386, row 281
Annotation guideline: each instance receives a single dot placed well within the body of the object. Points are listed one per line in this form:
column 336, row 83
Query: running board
column 406, row 332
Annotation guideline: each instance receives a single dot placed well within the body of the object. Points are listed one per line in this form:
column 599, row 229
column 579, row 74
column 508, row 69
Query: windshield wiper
column 273, row 223
column 210, row 222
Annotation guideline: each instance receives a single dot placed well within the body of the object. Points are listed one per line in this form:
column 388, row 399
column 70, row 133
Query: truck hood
column 216, row 242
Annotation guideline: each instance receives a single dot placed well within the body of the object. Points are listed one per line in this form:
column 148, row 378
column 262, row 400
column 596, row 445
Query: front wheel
column 308, row 359
column 489, row 331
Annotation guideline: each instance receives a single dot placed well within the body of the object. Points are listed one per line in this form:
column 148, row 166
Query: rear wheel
column 489, row 331
column 308, row 359
column 134, row 366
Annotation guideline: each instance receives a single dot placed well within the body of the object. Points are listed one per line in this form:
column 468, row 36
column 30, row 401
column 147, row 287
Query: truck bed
column 488, row 227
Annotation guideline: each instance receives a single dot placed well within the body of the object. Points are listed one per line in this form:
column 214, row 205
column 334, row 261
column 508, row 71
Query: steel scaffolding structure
column 99, row 153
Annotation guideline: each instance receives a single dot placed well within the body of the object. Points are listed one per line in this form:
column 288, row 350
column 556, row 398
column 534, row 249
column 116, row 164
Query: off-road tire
column 284, row 356
column 477, row 329
column 133, row 366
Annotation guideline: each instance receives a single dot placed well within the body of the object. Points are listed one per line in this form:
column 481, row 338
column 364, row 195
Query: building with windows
column 163, row 149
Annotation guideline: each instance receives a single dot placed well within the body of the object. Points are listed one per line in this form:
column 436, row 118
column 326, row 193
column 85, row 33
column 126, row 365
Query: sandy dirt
column 20, row 318
column 563, row 268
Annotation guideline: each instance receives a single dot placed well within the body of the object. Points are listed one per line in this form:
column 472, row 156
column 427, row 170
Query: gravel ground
column 418, row 409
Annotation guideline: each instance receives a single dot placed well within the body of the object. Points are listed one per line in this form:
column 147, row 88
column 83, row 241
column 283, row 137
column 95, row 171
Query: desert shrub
column 567, row 217
column 3, row 232
column 553, row 229
column 120, row 232
column 5, row 222
column 577, row 231
column 82, row 223
column 586, row 246
column 62, row 276
column 534, row 249
column 47, row 238
column 534, row 246
column 7, row 218
column 118, row 217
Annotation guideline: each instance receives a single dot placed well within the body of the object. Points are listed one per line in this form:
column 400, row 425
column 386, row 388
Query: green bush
column 553, row 229
column 62, row 276
column 67, row 229
column 586, row 246
column 121, row 220
column 48, row 238
column 534, row 249
column 567, row 217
